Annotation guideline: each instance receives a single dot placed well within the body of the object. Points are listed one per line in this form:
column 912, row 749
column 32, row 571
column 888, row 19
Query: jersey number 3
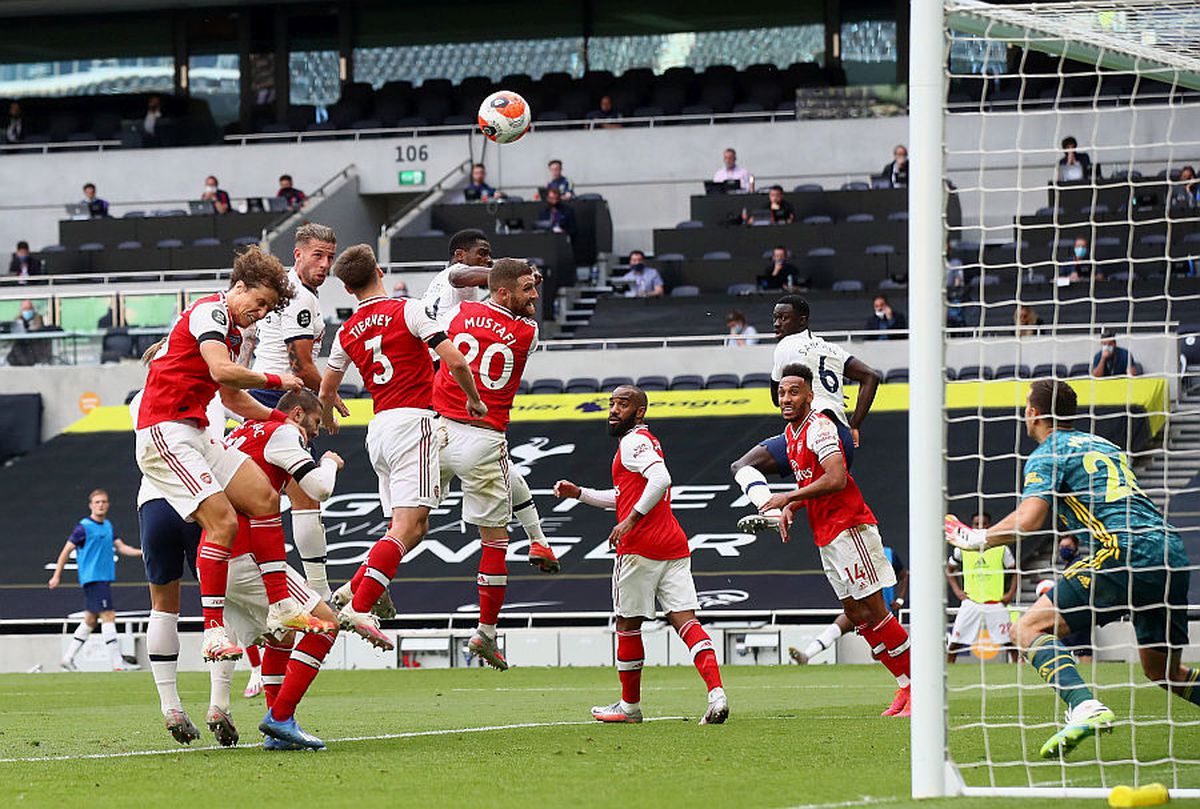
column 386, row 370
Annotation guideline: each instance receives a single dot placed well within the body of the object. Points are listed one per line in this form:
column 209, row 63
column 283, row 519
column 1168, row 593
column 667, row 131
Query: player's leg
column 828, row 637
column 541, row 555
column 308, row 534
column 631, row 656
column 889, row 643
column 254, row 685
column 968, row 622
column 82, row 632
column 999, row 625
column 219, row 525
column 1160, row 621
column 676, row 593
column 108, row 633
column 302, row 667
column 750, row 471
column 492, row 582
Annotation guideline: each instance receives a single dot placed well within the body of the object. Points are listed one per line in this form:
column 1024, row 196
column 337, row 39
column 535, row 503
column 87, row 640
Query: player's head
column 259, row 285
column 790, row 315
column 357, row 268
column 1051, row 405
column 514, row 285
column 304, row 409
column 471, row 247
column 981, row 520
column 313, row 254
column 795, row 392
column 626, row 409
column 98, row 503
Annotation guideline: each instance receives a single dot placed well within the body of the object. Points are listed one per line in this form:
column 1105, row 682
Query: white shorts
column 637, row 581
column 971, row 618
column 479, row 458
column 855, row 564
column 403, row 447
column 185, row 464
column 246, row 600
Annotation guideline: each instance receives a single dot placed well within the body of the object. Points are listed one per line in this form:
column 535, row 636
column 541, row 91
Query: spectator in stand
column 741, row 333
column 1080, row 266
column 221, row 206
column 885, row 318
column 478, row 189
column 556, row 216
column 213, row 192
column 23, row 264
column 14, row 128
column 29, row 319
column 780, row 273
column 1028, row 321
column 400, row 290
column 97, row 208
column 1185, row 192
column 896, row 172
column 294, row 196
column 1068, row 553
column 558, row 181
column 1074, row 166
column 957, row 296
column 606, row 113
column 644, row 282
column 782, row 212
column 150, row 134
column 732, row 171
column 1111, row 360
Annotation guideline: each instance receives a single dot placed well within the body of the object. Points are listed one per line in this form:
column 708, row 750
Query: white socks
column 820, row 643
column 309, row 535
column 523, row 507
column 630, row 707
column 162, row 645
column 754, row 485
column 221, row 675
column 82, row 633
column 108, row 631
column 489, row 630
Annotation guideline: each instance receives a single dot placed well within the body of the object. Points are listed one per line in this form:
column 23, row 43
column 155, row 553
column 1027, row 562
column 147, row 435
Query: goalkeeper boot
column 1083, row 721
column 287, row 616
column 718, row 708
column 760, row 523
column 367, row 626
column 485, row 647
column 254, row 686
column 797, row 656
column 542, row 557
column 180, row 726
column 289, row 730
column 220, row 722
column 899, row 706
column 616, row 713
column 383, row 608
column 218, row 646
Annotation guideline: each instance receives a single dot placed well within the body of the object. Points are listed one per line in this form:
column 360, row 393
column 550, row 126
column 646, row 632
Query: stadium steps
column 1179, row 467
column 580, row 307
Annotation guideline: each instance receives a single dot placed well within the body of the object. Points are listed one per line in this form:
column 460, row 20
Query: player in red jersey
column 280, row 450
column 653, row 559
column 386, row 340
column 201, row 479
column 495, row 337
column 843, row 527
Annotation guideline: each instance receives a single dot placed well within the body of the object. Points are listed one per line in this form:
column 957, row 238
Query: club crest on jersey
column 304, row 318
column 206, row 478
column 220, row 317
column 1032, row 478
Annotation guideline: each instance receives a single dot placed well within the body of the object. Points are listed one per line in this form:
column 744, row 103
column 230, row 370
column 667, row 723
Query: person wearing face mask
column 1074, row 166
column 644, row 282
column 1112, row 360
column 28, row 319
column 214, row 193
column 896, row 172
column 885, row 318
column 1080, row 266
column 741, row 333
column 23, row 264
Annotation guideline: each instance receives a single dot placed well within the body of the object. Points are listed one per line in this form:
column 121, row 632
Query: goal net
column 1069, row 134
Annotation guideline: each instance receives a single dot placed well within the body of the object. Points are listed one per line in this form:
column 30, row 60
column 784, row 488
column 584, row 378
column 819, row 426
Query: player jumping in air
column 495, row 337
column 1137, row 567
column 653, row 559
column 843, row 527
column 470, row 267
column 387, row 341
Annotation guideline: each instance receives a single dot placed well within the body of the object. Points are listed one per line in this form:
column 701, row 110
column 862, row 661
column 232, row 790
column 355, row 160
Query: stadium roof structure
column 1155, row 38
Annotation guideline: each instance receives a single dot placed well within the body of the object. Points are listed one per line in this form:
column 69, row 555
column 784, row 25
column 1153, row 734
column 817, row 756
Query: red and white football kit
column 496, row 345
column 173, row 449
column 385, row 339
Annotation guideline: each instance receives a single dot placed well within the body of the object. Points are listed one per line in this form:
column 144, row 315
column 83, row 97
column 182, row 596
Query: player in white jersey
column 289, row 342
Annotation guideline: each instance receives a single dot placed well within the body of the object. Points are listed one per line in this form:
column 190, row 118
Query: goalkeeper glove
column 961, row 536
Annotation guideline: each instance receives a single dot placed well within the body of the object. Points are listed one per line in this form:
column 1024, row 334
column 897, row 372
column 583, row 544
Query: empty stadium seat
column 880, row 250
column 975, row 372
column 680, row 257
column 652, row 383
column 245, row 241
column 756, row 380
column 805, row 188
column 689, row 224
column 1080, row 369
column 168, row 244
column 91, row 247
column 717, row 255
column 1012, row 372
column 348, row 391
column 207, row 241
column 687, row 382
column 860, row 218
column 523, row 387
column 582, row 384
column 685, row 291
column 115, row 346
column 817, row 219
column 1049, row 369
column 848, row 285
column 856, row 185
column 611, row 382
column 721, row 382
column 896, row 375
column 130, row 245
column 741, row 289
column 898, row 216
column 546, row 386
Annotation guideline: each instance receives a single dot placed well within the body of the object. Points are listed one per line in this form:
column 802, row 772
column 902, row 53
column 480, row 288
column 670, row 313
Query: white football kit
column 300, row 320
column 441, row 296
column 826, row 360
column 973, row 616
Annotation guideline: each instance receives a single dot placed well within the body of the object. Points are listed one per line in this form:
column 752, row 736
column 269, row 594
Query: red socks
column 630, row 657
column 253, row 656
column 267, row 545
column 274, row 666
column 382, row 563
column 302, row 668
column 493, row 580
column 212, row 566
column 703, row 656
column 889, row 645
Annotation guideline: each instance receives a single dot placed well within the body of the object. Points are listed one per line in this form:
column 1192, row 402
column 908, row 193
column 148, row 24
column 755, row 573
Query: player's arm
column 300, row 360
column 832, row 481
column 286, row 449
column 243, row 405
column 901, row 591
column 63, row 556
column 456, row 364
column 125, row 549
column 335, row 372
column 868, row 384
column 318, row 480
column 227, row 372
column 1010, row 565
column 953, row 574
column 461, row 277
column 597, row 498
column 1029, row 517
column 639, row 455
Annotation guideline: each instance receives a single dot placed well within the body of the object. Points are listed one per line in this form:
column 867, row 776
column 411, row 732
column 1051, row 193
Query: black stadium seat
column 971, row 373
column 523, row 387
column 687, row 382
column 1047, row 369
column 582, row 384
column 611, row 382
column 1012, row 372
column 348, row 391
column 1080, row 369
column 756, row 380
column 546, row 386
column 652, row 383
column 721, row 382
column 896, row 375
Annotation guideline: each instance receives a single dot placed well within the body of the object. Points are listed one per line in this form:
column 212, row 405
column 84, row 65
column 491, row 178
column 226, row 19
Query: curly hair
column 256, row 268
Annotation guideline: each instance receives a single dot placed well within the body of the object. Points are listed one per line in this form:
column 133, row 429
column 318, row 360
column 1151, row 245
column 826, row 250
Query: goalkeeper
column 1137, row 564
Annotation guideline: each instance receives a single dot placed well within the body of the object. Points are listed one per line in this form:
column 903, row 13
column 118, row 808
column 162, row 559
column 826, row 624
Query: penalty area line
column 866, row 800
column 412, row 734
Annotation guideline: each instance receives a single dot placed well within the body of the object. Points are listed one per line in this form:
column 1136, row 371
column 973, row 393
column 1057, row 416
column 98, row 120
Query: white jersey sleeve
column 638, row 453
column 286, row 449
column 533, row 344
column 339, row 360
column 419, row 323
column 822, row 438
column 1010, row 561
column 441, row 296
column 209, row 318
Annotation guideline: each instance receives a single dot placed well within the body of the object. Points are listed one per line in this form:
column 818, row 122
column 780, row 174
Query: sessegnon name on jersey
column 370, row 321
column 490, row 324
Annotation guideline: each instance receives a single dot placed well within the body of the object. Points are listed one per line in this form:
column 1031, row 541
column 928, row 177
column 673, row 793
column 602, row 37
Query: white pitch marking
column 866, row 800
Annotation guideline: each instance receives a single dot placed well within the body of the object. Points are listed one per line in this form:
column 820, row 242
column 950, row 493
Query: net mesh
column 1071, row 133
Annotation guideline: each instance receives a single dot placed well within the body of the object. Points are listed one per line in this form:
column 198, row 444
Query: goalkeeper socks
column 220, row 674
column 382, row 563
column 630, row 657
column 82, row 633
column 108, row 631
column 267, row 546
column 1190, row 689
column 524, row 509
column 309, row 536
column 302, row 668
column 754, row 485
column 492, row 580
column 703, row 656
column 1056, row 665
column 274, row 667
column 820, row 643
column 162, row 647
column 212, row 568
column 889, row 645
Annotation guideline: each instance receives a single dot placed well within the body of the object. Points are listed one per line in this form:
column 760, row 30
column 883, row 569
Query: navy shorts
column 167, row 542
column 777, row 446
column 97, row 596
column 269, row 398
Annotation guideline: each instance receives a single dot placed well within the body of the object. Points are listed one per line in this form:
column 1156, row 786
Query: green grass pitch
column 797, row 737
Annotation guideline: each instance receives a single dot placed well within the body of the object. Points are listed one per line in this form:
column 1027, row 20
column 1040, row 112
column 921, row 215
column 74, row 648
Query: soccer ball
column 504, row 116
column 1044, row 586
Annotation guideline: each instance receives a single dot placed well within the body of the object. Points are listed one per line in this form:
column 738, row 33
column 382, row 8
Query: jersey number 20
column 469, row 346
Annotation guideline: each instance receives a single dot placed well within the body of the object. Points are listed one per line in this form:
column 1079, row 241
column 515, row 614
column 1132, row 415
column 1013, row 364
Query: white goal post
column 1151, row 47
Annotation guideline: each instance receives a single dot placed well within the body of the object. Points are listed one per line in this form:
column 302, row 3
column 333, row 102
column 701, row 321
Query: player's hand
column 854, row 436
column 565, row 488
column 333, row 456
column 785, row 521
column 290, row 382
column 962, row 536
column 53, row 583
column 619, row 531
column 476, row 408
column 774, row 503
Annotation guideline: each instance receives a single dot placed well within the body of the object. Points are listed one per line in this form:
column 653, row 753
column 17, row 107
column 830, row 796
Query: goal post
column 995, row 93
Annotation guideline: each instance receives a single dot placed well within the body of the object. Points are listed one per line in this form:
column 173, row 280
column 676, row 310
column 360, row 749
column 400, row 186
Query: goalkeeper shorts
column 1155, row 599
